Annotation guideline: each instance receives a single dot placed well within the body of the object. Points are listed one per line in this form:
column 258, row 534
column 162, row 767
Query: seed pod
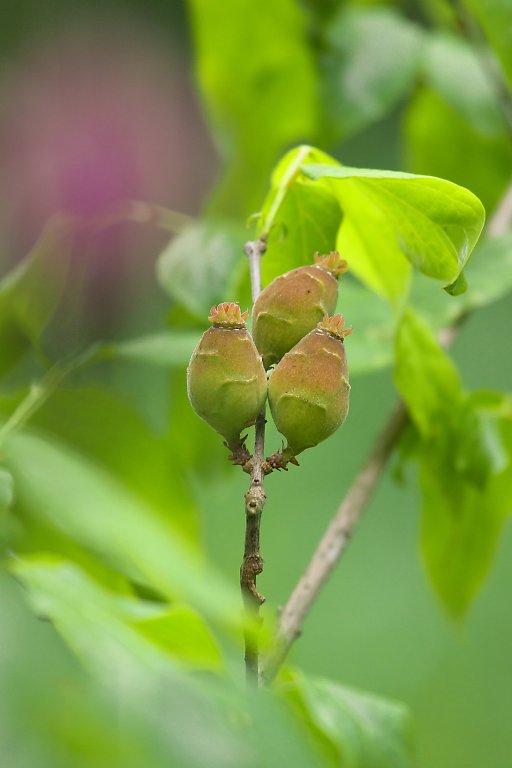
column 309, row 390
column 226, row 381
column 293, row 304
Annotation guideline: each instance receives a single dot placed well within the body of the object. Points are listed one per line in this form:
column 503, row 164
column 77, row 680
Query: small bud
column 293, row 304
column 227, row 384
column 309, row 389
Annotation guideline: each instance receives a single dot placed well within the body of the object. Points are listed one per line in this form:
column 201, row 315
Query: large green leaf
column 76, row 723
column 109, row 431
column 371, row 59
column 169, row 718
column 354, row 729
column 495, row 17
column 160, row 704
column 77, row 497
column 392, row 220
column 258, row 80
column 30, row 292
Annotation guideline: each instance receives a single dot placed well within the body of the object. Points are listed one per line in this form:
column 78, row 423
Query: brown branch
column 337, row 535
column 252, row 563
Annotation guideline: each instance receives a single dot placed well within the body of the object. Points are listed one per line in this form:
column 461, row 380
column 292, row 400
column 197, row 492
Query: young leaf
column 297, row 218
column 392, row 219
column 355, row 729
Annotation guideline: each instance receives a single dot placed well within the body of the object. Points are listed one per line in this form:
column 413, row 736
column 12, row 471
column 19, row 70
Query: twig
column 334, row 542
column 252, row 563
column 337, row 535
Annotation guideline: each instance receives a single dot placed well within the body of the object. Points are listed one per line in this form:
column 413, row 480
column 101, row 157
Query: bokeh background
column 100, row 104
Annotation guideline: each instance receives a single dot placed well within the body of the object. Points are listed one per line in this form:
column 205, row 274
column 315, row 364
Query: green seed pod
column 226, row 381
column 309, row 390
column 293, row 304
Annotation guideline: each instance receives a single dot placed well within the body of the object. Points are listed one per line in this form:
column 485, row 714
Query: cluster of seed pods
column 293, row 330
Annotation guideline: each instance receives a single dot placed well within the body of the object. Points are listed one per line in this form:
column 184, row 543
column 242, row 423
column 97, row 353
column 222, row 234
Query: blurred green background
column 102, row 104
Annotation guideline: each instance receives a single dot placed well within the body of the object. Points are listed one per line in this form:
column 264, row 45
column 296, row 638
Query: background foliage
column 122, row 522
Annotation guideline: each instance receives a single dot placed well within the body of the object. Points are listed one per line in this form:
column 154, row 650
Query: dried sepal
column 335, row 326
column 228, row 315
column 332, row 262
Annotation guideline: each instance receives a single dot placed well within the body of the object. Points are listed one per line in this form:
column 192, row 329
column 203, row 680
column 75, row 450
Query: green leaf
column 458, row 287
column 489, row 275
column 354, row 729
column 370, row 347
column 372, row 58
column 196, row 266
column 75, row 714
column 390, row 215
column 465, row 468
column 425, row 376
column 306, row 224
column 183, row 634
column 110, row 432
column 456, row 71
column 297, row 218
column 169, row 717
column 441, row 142
column 161, row 704
column 495, row 18
column 30, row 292
column 80, row 499
column 259, row 102
column 168, row 349
column 462, row 522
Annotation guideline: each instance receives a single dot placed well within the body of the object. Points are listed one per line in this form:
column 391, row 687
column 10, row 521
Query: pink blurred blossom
column 93, row 116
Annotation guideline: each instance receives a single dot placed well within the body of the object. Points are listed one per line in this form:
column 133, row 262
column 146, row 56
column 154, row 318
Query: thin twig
column 252, row 563
column 334, row 542
column 337, row 535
